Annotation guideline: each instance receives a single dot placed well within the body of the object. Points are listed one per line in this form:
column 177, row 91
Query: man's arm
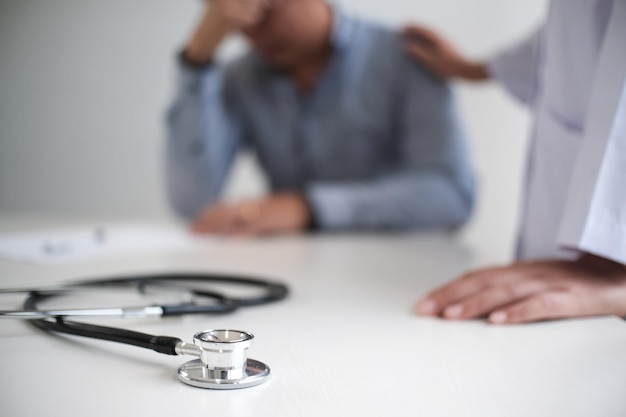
column 431, row 185
column 203, row 130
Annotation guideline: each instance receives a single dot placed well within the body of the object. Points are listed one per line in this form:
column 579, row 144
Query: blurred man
column 350, row 131
column 572, row 245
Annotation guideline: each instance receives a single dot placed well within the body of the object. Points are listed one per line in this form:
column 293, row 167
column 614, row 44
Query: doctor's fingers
column 467, row 285
column 491, row 298
column 432, row 50
column 425, row 56
column 422, row 35
column 564, row 301
column 554, row 304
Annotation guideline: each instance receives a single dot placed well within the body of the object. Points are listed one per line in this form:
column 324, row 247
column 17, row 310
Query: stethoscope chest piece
column 223, row 362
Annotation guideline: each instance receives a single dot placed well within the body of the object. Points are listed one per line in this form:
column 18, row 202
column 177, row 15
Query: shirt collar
column 342, row 29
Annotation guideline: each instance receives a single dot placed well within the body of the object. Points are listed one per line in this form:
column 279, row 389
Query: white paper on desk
column 56, row 246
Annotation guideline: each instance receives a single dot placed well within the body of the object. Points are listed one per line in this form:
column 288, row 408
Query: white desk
column 344, row 344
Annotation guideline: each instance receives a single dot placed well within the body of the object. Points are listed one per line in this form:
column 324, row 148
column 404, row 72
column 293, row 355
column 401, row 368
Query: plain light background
column 84, row 85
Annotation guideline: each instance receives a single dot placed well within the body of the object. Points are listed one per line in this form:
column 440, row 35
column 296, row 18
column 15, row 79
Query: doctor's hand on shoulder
column 532, row 291
column 282, row 213
column 440, row 56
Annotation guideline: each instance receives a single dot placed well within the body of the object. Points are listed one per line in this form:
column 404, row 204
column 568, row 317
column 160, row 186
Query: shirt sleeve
column 432, row 185
column 204, row 134
column 516, row 68
column 595, row 219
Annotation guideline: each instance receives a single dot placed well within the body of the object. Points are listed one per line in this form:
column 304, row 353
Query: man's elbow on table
column 440, row 201
column 407, row 203
column 451, row 207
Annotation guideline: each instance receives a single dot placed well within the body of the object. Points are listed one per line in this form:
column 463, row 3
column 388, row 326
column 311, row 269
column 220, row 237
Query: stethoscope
column 222, row 354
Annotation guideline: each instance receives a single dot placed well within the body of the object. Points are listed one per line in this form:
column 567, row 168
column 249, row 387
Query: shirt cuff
column 182, row 57
column 332, row 207
column 191, row 74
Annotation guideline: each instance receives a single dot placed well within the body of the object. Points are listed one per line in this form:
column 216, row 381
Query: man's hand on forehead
column 240, row 14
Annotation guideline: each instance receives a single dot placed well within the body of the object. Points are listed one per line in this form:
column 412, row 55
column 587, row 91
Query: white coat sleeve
column 516, row 68
column 595, row 217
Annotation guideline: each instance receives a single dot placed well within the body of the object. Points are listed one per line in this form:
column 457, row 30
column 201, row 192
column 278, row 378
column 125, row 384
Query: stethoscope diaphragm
column 223, row 362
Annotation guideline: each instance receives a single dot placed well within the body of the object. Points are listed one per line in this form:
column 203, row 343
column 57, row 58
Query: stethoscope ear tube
column 272, row 291
column 160, row 344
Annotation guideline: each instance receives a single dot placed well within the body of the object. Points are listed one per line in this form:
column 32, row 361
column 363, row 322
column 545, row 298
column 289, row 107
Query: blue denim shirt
column 377, row 144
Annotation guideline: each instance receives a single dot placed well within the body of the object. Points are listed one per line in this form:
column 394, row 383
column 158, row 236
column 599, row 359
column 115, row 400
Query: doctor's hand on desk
column 533, row 291
column 276, row 214
column 440, row 56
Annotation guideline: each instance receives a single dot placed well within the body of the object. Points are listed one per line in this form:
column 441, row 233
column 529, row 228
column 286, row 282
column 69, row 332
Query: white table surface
column 343, row 344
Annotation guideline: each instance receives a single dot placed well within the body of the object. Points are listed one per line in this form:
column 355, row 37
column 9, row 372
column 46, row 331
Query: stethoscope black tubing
column 274, row 291
column 161, row 344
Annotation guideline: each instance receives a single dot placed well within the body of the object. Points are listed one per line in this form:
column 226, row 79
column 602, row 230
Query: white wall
column 84, row 85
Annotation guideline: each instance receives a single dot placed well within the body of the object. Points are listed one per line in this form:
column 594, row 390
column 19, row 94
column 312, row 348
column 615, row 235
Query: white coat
column 572, row 72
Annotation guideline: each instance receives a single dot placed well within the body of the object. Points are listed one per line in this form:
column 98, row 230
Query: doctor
column 572, row 241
